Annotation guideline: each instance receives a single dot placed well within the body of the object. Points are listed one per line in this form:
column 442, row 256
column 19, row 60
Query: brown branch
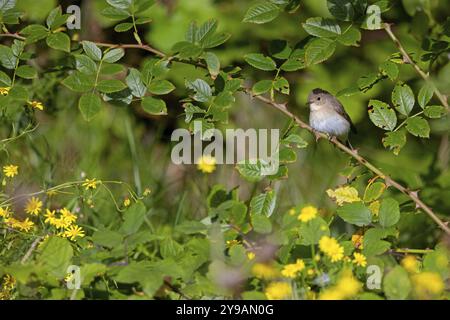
column 407, row 58
column 413, row 195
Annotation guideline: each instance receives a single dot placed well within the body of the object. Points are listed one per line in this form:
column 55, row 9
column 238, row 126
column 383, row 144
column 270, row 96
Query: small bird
column 328, row 115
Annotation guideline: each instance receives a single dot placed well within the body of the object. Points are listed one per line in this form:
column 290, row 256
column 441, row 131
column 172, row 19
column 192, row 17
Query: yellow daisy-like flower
column 127, row 202
column 357, row 240
column 61, row 223
column 4, row 91
column 427, row 284
column 307, row 213
column 410, row 264
column 346, row 287
column 331, row 248
column 90, row 183
column 278, row 291
column 359, row 259
column 34, row 206
column 68, row 216
column 206, row 164
column 4, row 212
column 251, row 255
column 11, row 170
column 49, row 216
column 73, row 232
column 291, row 270
column 26, row 225
column 36, row 105
column 264, row 271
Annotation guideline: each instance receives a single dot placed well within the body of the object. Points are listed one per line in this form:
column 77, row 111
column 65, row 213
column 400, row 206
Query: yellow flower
column 410, row 264
column 11, row 170
column 343, row 195
column 308, row 213
column 346, row 287
column 331, row 248
column 5, row 213
column 26, row 225
column 68, row 216
column 359, row 259
column 251, row 255
column 61, row 223
column 264, row 271
column 292, row 211
column 291, row 270
column 90, row 184
column 357, row 240
column 34, row 206
column 278, row 291
column 310, row 272
column 36, row 105
column 73, row 232
column 4, row 91
column 127, row 202
column 206, row 164
column 231, row 243
column 49, row 216
column 427, row 284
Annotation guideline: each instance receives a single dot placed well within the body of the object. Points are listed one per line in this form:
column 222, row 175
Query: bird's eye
column 318, row 98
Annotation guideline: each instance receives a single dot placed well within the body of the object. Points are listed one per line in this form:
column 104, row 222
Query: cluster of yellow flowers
column 307, row 213
column 292, row 270
column 22, row 225
column 4, row 91
column 8, row 285
column 64, row 223
column 331, row 248
column 346, row 287
column 278, row 290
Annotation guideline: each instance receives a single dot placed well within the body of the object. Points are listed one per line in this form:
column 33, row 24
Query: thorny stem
column 413, row 195
column 442, row 98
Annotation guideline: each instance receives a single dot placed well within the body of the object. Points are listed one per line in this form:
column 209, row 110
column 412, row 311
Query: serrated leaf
column 403, row 99
column 435, row 112
column 79, row 82
column 7, row 57
column 92, row 50
column 293, row 65
column 160, row 87
column 351, row 37
column 355, row 213
column 135, row 83
column 322, row 27
column 34, row 33
column 214, row 40
column 395, row 141
column 110, row 86
column 59, row 41
column 26, row 72
column 154, row 106
column 260, row 61
column 85, row 64
column 261, row 87
column 389, row 213
column 120, row 4
column 114, row 55
column 425, row 95
column 418, row 127
column 382, row 115
column 263, row 204
column 319, row 50
column 203, row 91
column 89, row 105
column 261, row 12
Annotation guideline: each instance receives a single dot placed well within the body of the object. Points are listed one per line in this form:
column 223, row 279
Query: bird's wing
column 340, row 109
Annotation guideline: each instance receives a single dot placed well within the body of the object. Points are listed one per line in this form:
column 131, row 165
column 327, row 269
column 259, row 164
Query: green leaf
column 437, row 261
column 123, row 27
column 89, row 105
column 59, row 41
column 418, row 127
column 107, row 238
column 292, row 64
column 7, row 57
column 114, row 55
column 319, row 50
column 133, row 218
column 26, row 72
column 382, row 115
column 311, row 231
column 341, row 9
column 395, row 141
column 85, row 64
column 34, row 33
column 296, row 140
column 115, row 14
column 203, row 91
column 5, row 80
column 372, row 243
column 6, row 5
column 282, row 85
column 109, row 86
column 92, row 50
column 374, row 191
column 355, row 213
column 403, row 99
column 79, row 82
column 214, row 40
column 396, row 284
column 154, row 106
column 206, row 30
column 322, row 27
column 252, row 172
column 435, row 112
column 425, row 95
column 259, row 61
column 262, row 87
column 135, row 83
column 263, row 203
column 261, row 12
column 90, row 271
column 56, row 255
column 351, row 37
column 261, row 224
column 389, row 69
column 213, row 64
column 160, row 87
column 389, row 212
column 55, row 19
column 120, row 4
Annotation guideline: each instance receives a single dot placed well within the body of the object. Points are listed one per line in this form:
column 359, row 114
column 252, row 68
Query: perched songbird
column 328, row 115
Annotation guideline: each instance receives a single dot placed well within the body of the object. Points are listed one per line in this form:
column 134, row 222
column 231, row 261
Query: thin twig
column 30, row 251
column 407, row 58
